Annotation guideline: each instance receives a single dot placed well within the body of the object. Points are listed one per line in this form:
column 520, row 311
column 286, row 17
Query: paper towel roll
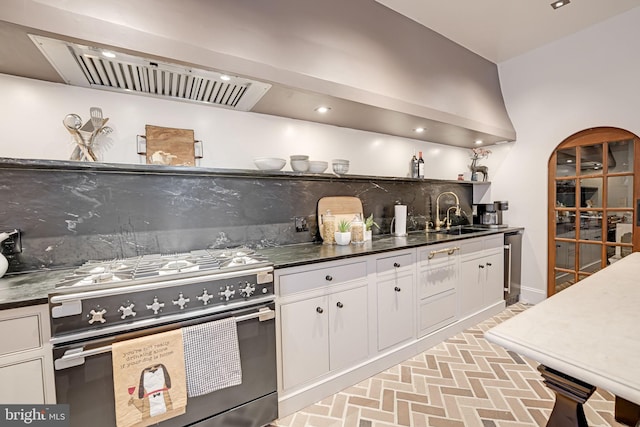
column 399, row 223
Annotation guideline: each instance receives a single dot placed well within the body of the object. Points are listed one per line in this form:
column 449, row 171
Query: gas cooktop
column 95, row 273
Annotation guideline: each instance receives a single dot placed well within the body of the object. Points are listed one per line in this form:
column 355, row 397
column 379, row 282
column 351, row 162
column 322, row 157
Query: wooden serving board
column 342, row 207
column 170, row 146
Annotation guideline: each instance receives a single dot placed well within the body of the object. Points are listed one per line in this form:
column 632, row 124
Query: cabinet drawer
column 391, row 263
column 493, row 242
column 19, row 334
column 437, row 312
column 438, row 254
column 325, row 276
column 470, row 246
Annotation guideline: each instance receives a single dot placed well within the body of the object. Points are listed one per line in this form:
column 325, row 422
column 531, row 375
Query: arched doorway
column 592, row 208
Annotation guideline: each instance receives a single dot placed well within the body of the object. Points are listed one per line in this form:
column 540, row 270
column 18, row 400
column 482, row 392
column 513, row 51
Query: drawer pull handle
column 489, row 264
column 448, row 251
column 397, row 289
column 319, row 310
column 481, row 266
column 396, row 265
column 339, row 304
column 328, row 278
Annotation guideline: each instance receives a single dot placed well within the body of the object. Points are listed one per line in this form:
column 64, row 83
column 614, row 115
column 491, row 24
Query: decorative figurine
column 479, row 153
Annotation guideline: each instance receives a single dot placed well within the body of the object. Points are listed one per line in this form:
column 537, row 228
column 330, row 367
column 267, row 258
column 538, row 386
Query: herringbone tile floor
column 465, row 381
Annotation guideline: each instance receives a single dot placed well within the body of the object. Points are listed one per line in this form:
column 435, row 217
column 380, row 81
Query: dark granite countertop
column 26, row 289
column 310, row 253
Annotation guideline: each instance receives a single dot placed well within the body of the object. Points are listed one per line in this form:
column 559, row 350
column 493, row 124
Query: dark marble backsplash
column 70, row 212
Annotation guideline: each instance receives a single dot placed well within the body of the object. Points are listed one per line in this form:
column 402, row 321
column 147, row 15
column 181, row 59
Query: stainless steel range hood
column 87, row 66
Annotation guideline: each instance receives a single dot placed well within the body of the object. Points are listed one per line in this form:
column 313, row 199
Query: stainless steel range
column 104, row 302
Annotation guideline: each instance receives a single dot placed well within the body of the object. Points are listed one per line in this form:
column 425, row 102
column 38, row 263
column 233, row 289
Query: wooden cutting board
column 170, row 146
column 342, row 207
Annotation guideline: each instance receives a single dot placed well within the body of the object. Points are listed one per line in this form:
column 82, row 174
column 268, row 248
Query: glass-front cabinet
column 592, row 183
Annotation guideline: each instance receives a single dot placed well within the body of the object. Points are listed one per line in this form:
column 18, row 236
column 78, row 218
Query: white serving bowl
column 269, row 163
column 317, row 166
column 340, row 166
column 299, row 157
column 300, row 165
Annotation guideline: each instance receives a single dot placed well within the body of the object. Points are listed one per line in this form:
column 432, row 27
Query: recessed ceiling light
column 322, row 110
column 108, row 54
column 569, row 161
column 225, row 78
column 559, row 3
column 419, row 130
column 478, row 141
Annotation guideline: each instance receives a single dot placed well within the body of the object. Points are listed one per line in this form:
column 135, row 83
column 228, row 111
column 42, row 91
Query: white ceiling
column 502, row 29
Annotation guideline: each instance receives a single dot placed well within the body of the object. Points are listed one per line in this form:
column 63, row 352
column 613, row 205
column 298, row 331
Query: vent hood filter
column 86, row 66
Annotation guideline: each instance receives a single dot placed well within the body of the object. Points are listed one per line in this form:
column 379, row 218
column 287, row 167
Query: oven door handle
column 76, row 356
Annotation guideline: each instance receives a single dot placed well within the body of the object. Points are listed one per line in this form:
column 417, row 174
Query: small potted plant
column 368, row 223
column 343, row 235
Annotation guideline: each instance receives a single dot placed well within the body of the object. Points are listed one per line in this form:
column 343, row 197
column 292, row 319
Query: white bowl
column 317, row 166
column 340, row 166
column 299, row 157
column 269, row 163
column 300, row 165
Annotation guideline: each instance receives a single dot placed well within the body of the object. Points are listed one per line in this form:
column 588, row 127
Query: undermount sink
column 460, row 230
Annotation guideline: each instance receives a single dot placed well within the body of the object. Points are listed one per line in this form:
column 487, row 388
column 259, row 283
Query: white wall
column 31, row 114
column 586, row 80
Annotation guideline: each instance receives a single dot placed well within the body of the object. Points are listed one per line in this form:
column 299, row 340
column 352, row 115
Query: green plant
column 370, row 222
column 344, row 226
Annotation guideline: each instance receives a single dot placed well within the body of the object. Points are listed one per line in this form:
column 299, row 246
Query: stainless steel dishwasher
column 512, row 266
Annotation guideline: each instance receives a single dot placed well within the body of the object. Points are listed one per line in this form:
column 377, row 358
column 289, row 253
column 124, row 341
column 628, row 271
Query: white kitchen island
column 584, row 337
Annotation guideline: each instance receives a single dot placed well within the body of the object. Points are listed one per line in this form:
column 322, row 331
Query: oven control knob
column 181, row 301
column 227, row 293
column 205, row 297
column 248, row 290
column 97, row 316
column 127, row 311
column 155, row 306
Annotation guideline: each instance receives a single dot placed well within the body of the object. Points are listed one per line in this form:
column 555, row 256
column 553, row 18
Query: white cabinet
column 305, row 340
column 481, row 274
column 342, row 321
column 395, row 302
column 26, row 366
column 438, row 267
column 324, row 327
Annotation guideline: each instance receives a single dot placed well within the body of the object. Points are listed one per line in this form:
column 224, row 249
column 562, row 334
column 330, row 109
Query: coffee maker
column 490, row 214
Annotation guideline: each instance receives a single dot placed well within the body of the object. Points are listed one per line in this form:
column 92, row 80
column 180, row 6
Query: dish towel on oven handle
column 148, row 379
column 212, row 356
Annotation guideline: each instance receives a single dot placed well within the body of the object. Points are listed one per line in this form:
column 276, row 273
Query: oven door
column 88, row 387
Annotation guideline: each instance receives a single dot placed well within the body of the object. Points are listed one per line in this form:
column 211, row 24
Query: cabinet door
column 494, row 275
column 472, row 272
column 348, row 327
column 23, row 382
column 305, row 341
column 395, row 310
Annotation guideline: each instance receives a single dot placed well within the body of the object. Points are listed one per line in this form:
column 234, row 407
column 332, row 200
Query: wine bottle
column 420, row 165
column 414, row 166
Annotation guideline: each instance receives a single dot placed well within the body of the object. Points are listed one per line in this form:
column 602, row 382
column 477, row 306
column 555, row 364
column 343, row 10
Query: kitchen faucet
column 447, row 221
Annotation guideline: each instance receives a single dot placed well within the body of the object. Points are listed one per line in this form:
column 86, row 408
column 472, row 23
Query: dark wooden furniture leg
column 571, row 393
column 626, row 412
